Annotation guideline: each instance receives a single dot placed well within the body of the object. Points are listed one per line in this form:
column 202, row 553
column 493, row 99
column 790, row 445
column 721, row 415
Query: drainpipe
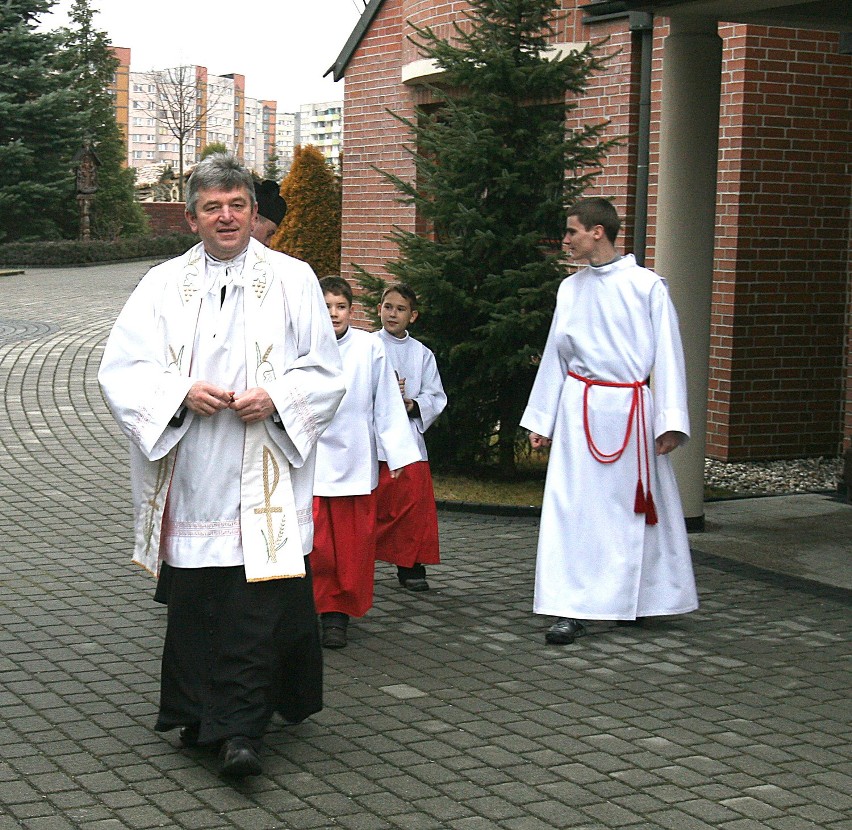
column 644, row 23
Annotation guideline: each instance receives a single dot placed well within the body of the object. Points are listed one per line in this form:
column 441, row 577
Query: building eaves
column 338, row 68
column 822, row 15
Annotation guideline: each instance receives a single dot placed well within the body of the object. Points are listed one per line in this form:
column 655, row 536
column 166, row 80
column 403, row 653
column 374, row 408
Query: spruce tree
column 495, row 169
column 38, row 128
column 213, row 147
column 271, row 170
column 310, row 229
column 88, row 59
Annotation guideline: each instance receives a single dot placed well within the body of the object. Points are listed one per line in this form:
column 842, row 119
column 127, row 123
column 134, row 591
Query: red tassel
column 639, row 502
column 650, row 510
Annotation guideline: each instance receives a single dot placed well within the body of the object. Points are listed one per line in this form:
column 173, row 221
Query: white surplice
column 415, row 363
column 371, row 410
column 597, row 558
column 214, row 491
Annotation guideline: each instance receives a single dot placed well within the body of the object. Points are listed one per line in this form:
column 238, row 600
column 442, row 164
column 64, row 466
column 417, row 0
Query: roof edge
column 338, row 68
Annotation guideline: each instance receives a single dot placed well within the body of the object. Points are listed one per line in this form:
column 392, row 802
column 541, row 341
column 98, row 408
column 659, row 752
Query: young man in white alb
column 612, row 543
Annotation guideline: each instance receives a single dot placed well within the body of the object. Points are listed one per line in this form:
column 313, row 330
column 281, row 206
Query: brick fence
column 166, row 217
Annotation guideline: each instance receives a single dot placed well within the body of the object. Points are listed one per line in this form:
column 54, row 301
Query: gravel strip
column 761, row 478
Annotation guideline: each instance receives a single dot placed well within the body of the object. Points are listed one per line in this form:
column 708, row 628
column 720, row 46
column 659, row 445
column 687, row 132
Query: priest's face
column 223, row 219
column 263, row 229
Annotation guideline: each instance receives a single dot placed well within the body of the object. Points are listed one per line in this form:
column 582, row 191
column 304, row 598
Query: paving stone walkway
column 447, row 710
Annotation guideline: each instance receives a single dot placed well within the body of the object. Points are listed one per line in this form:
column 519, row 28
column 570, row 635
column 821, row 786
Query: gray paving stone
column 446, row 711
column 47, row 823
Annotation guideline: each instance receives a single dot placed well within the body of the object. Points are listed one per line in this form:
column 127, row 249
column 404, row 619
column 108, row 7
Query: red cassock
column 343, row 560
column 406, row 519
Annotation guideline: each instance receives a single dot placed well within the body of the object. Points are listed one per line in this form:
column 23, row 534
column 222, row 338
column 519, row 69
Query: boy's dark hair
column 337, row 286
column 597, row 211
column 405, row 291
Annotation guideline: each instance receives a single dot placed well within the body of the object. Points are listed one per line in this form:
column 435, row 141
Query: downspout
column 643, row 23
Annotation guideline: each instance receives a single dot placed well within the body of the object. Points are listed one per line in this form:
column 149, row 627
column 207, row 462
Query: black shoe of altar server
column 564, row 631
column 334, row 626
column 413, row 579
column 239, row 758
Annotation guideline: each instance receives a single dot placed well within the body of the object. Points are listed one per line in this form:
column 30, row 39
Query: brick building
column 733, row 176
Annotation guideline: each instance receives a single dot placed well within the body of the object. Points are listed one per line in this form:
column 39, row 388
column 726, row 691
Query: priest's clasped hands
column 207, row 399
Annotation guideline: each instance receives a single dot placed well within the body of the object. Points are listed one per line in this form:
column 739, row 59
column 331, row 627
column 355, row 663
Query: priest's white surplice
column 371, row 411
column 597, row 558
column 214, row 491
column 415, row 363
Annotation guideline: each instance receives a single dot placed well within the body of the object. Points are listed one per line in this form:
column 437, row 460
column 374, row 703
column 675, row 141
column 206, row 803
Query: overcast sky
column 282, row 48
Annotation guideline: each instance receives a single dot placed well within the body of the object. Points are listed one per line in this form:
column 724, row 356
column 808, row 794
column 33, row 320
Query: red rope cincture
column 643, row 502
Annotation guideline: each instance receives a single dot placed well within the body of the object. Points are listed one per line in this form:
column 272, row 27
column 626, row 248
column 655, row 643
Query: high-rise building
column 160, row 109
column 120, row 90
column 269, row 120
column 286, row 138
column 322, row 126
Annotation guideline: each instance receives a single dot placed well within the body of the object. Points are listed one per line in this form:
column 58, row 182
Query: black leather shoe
column 334, row 625
column 415, row 584
column 563, row 631
column 333, row 636
column 188, row 735
column 239, row 758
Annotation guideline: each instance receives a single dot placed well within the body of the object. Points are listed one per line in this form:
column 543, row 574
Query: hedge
column 74, row 252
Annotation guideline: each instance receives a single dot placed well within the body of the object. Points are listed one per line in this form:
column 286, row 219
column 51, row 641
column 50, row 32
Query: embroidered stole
column 271, row 540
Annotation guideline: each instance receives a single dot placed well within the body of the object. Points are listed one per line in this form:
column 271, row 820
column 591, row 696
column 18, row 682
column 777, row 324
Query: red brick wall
column 374, row 139
column 612, row 96
column 166, row 217
column 780, row 362
column 781, row 298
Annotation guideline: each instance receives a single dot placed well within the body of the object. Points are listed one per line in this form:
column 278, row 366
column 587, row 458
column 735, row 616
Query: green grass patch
column 517, row 493
column 525, row 490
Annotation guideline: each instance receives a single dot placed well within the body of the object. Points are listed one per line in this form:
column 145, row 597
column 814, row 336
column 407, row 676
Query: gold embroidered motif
column 259, row 282
column 273, row 542
column 189, row 286
column 153, row 502
column 177, row 359
column 265, row 372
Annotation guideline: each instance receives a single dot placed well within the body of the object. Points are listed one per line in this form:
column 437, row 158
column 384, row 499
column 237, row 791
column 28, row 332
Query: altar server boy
column 347, row 471
column 407, row 519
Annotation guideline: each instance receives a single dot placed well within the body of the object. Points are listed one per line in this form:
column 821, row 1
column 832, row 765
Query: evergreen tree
column 213, row 147
column 38, row 128
column 310, row 229
column 494, row 171
column 184, row 100
column 88, row 60
column 271, row 169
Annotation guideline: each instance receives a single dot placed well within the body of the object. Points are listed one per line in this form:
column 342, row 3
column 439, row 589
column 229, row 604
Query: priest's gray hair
column 219, row 171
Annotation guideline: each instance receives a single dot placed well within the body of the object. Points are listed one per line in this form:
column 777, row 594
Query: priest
column 222, row 370
column 271, row 209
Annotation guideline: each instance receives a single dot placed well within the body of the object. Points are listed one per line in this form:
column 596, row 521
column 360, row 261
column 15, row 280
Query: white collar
column 222, row 272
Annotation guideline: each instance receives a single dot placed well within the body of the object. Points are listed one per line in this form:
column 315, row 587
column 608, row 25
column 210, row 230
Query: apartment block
column 156, row 109
column 322, row 126
column 286, row 138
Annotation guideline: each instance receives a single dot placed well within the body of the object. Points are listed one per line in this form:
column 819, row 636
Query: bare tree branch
column 182, row 103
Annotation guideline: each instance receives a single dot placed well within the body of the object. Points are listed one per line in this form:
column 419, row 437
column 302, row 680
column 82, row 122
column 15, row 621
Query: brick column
column 686, row 221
